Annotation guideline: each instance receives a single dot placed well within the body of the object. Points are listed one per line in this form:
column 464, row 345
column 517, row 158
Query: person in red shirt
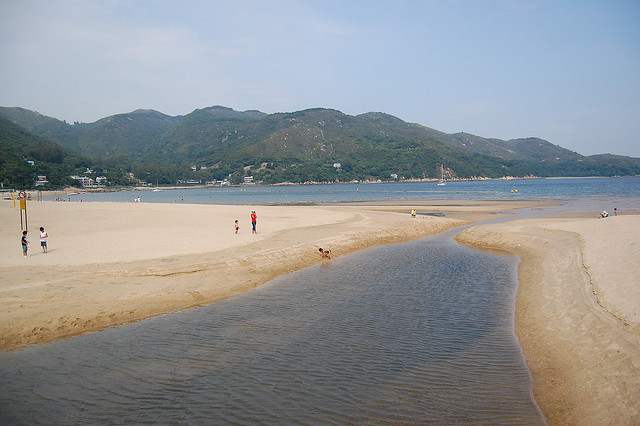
column 253, row 221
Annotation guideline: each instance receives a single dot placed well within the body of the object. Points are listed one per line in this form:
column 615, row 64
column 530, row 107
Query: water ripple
column 412, row 333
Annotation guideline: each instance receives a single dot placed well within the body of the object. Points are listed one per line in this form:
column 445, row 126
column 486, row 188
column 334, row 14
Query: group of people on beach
column 254, row 222
column 43, row 242
column 325, row 254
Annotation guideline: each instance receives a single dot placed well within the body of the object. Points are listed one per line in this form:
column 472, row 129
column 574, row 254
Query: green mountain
column 306, row 145
column 24, row 156
column 312, row 145
column 54, row 130
column 123, row 134
column 200, row 134
column 128, row 134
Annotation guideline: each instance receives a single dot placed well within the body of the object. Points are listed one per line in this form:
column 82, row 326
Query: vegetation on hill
column 128, row 134
column 322, row 145
column 24, row 157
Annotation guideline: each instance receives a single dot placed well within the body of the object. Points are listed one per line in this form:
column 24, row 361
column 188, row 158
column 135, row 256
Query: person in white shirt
column 43, row 239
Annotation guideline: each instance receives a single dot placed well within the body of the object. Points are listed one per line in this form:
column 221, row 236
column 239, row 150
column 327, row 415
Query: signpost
column 23, row 207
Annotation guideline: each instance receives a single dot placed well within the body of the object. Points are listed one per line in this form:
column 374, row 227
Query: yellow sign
column 23, row 204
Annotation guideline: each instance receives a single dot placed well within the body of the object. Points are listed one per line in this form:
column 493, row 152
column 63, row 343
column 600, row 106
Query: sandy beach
column 113, row 263
column 577, row 312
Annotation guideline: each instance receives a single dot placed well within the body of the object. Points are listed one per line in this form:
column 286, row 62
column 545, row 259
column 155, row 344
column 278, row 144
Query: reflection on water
column 412, row 333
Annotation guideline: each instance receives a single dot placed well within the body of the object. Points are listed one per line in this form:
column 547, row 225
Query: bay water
column 529, row 189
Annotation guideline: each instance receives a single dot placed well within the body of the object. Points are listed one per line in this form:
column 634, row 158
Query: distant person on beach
column 237, row 226
column 615, row 211
column 326, row 254
column 25, row 244
column 254, row 219
column 43, row 239
column 604, row 214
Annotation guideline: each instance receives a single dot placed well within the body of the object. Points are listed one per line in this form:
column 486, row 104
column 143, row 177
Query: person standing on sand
column 25, row 244
column 43, row 239
column 237, row 226
column 254, row 219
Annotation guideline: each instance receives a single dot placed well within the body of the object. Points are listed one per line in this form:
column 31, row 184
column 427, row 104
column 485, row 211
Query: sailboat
column 441, row 182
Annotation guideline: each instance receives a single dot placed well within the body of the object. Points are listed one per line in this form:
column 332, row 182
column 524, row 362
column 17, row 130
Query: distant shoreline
column 80, row 190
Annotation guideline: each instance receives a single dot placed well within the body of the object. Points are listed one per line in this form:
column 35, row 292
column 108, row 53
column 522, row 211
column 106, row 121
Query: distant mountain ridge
column 317, row 144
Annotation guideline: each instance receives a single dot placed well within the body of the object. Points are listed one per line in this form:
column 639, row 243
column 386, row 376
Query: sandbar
column 577, row 312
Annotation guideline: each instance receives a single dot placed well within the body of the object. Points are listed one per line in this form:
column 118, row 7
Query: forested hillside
column 318, row 144
column 24, row 156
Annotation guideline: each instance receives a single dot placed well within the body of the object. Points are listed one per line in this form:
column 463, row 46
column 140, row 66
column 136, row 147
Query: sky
column 564, row 71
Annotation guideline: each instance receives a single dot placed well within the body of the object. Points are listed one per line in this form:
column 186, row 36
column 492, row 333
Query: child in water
column 326, row 254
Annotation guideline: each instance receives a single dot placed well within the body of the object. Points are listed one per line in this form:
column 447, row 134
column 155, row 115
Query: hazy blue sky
column 565, row 71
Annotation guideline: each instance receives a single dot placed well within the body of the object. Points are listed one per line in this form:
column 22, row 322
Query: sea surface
column 412, row 333
column 528, row 189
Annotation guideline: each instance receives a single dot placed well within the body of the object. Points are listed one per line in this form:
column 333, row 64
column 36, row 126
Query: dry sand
column 577, row 313
column 113, row 263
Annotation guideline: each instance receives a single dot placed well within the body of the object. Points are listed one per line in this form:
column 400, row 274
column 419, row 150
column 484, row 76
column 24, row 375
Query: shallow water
column 418, row 332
